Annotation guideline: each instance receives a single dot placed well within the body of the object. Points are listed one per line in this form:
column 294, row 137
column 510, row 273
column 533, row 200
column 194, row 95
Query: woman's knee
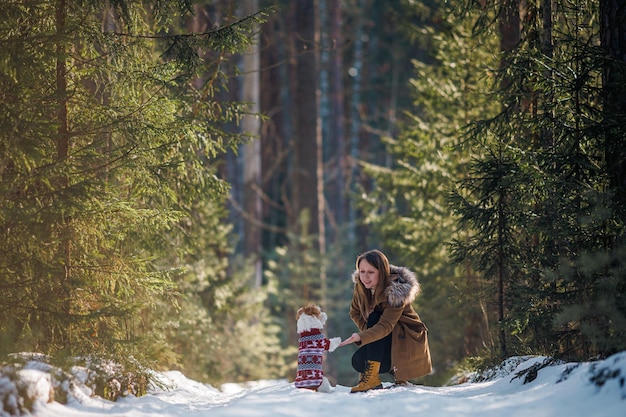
column 359, row 360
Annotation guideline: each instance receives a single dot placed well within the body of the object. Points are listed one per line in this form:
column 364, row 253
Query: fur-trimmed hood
column 401, row 289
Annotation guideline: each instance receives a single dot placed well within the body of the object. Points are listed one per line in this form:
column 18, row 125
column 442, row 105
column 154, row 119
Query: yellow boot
column 369, row 379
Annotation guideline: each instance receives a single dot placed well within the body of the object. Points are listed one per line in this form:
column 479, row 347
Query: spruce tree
column 564, row 292
column 108, row 173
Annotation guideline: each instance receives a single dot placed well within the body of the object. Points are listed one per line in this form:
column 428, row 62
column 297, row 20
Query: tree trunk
column 613, row 40
column 510, row 35
column 509, row 25
column 547, row 48
column 251, row 124
column 319, row 169
column 305, row 140
column 62, row 148
column 274, row 97
column 355, row 125
column 336, row 121
column 501, row 272
column 61, row 85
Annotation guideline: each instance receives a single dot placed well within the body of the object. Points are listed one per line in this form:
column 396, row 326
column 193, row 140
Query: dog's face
column 310, row 317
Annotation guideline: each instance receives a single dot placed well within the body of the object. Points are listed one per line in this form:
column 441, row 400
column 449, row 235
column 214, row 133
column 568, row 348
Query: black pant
column 379, row 351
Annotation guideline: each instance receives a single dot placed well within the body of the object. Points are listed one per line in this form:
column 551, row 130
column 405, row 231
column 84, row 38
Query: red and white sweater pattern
column 311, row 347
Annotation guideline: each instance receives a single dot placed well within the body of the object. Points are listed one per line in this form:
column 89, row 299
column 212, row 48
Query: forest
column 178, row 177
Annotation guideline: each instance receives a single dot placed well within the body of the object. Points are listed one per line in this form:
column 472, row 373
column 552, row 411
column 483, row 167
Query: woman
column 392, row 338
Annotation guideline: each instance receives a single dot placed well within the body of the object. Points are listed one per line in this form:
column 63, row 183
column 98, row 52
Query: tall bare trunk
column 547, row 47
column 319, row 169
column 274, row 95
column 336, row 120
column 305, row 140
column 61, row 84
column 355, row 124
column 251, row 124
column 510, row 34
column 613, row 39
column 62, row 148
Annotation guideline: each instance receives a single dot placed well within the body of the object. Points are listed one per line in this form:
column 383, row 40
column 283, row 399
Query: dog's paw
column 334, row 343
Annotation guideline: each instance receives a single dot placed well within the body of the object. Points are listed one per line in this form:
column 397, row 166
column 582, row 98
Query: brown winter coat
column 410, row 355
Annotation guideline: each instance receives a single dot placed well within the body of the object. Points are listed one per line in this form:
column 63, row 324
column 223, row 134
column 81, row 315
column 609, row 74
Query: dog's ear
column 299, row 312
column 323, row 317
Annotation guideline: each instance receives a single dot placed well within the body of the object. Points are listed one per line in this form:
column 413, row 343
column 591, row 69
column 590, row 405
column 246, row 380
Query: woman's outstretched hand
column 352, row 339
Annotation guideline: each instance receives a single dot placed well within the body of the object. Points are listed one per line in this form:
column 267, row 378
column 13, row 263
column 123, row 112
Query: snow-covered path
column 584, row 390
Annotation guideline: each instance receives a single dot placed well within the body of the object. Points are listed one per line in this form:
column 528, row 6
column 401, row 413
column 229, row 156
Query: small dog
column 311, row 347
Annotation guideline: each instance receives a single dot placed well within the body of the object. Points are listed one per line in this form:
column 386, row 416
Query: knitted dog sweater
column 311, row 347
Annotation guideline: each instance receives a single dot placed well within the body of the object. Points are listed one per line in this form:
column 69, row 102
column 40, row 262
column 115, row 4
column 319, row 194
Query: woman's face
column 368, row 274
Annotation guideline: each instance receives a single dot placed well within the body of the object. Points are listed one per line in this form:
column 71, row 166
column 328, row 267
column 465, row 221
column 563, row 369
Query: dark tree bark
column 305, row 146
column 337, row 131
column 275, row 94
column 613, row 39
column 63, row 293
column 251, row 124
column 510, row 34
column 355, row 121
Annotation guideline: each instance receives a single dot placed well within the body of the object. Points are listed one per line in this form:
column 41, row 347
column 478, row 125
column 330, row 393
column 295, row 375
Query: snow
column 558, row 389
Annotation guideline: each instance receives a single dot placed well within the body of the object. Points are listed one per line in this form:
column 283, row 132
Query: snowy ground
column 564, row 390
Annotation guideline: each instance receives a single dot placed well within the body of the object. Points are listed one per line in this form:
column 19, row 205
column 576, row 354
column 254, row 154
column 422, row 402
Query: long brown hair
column 379, row 261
